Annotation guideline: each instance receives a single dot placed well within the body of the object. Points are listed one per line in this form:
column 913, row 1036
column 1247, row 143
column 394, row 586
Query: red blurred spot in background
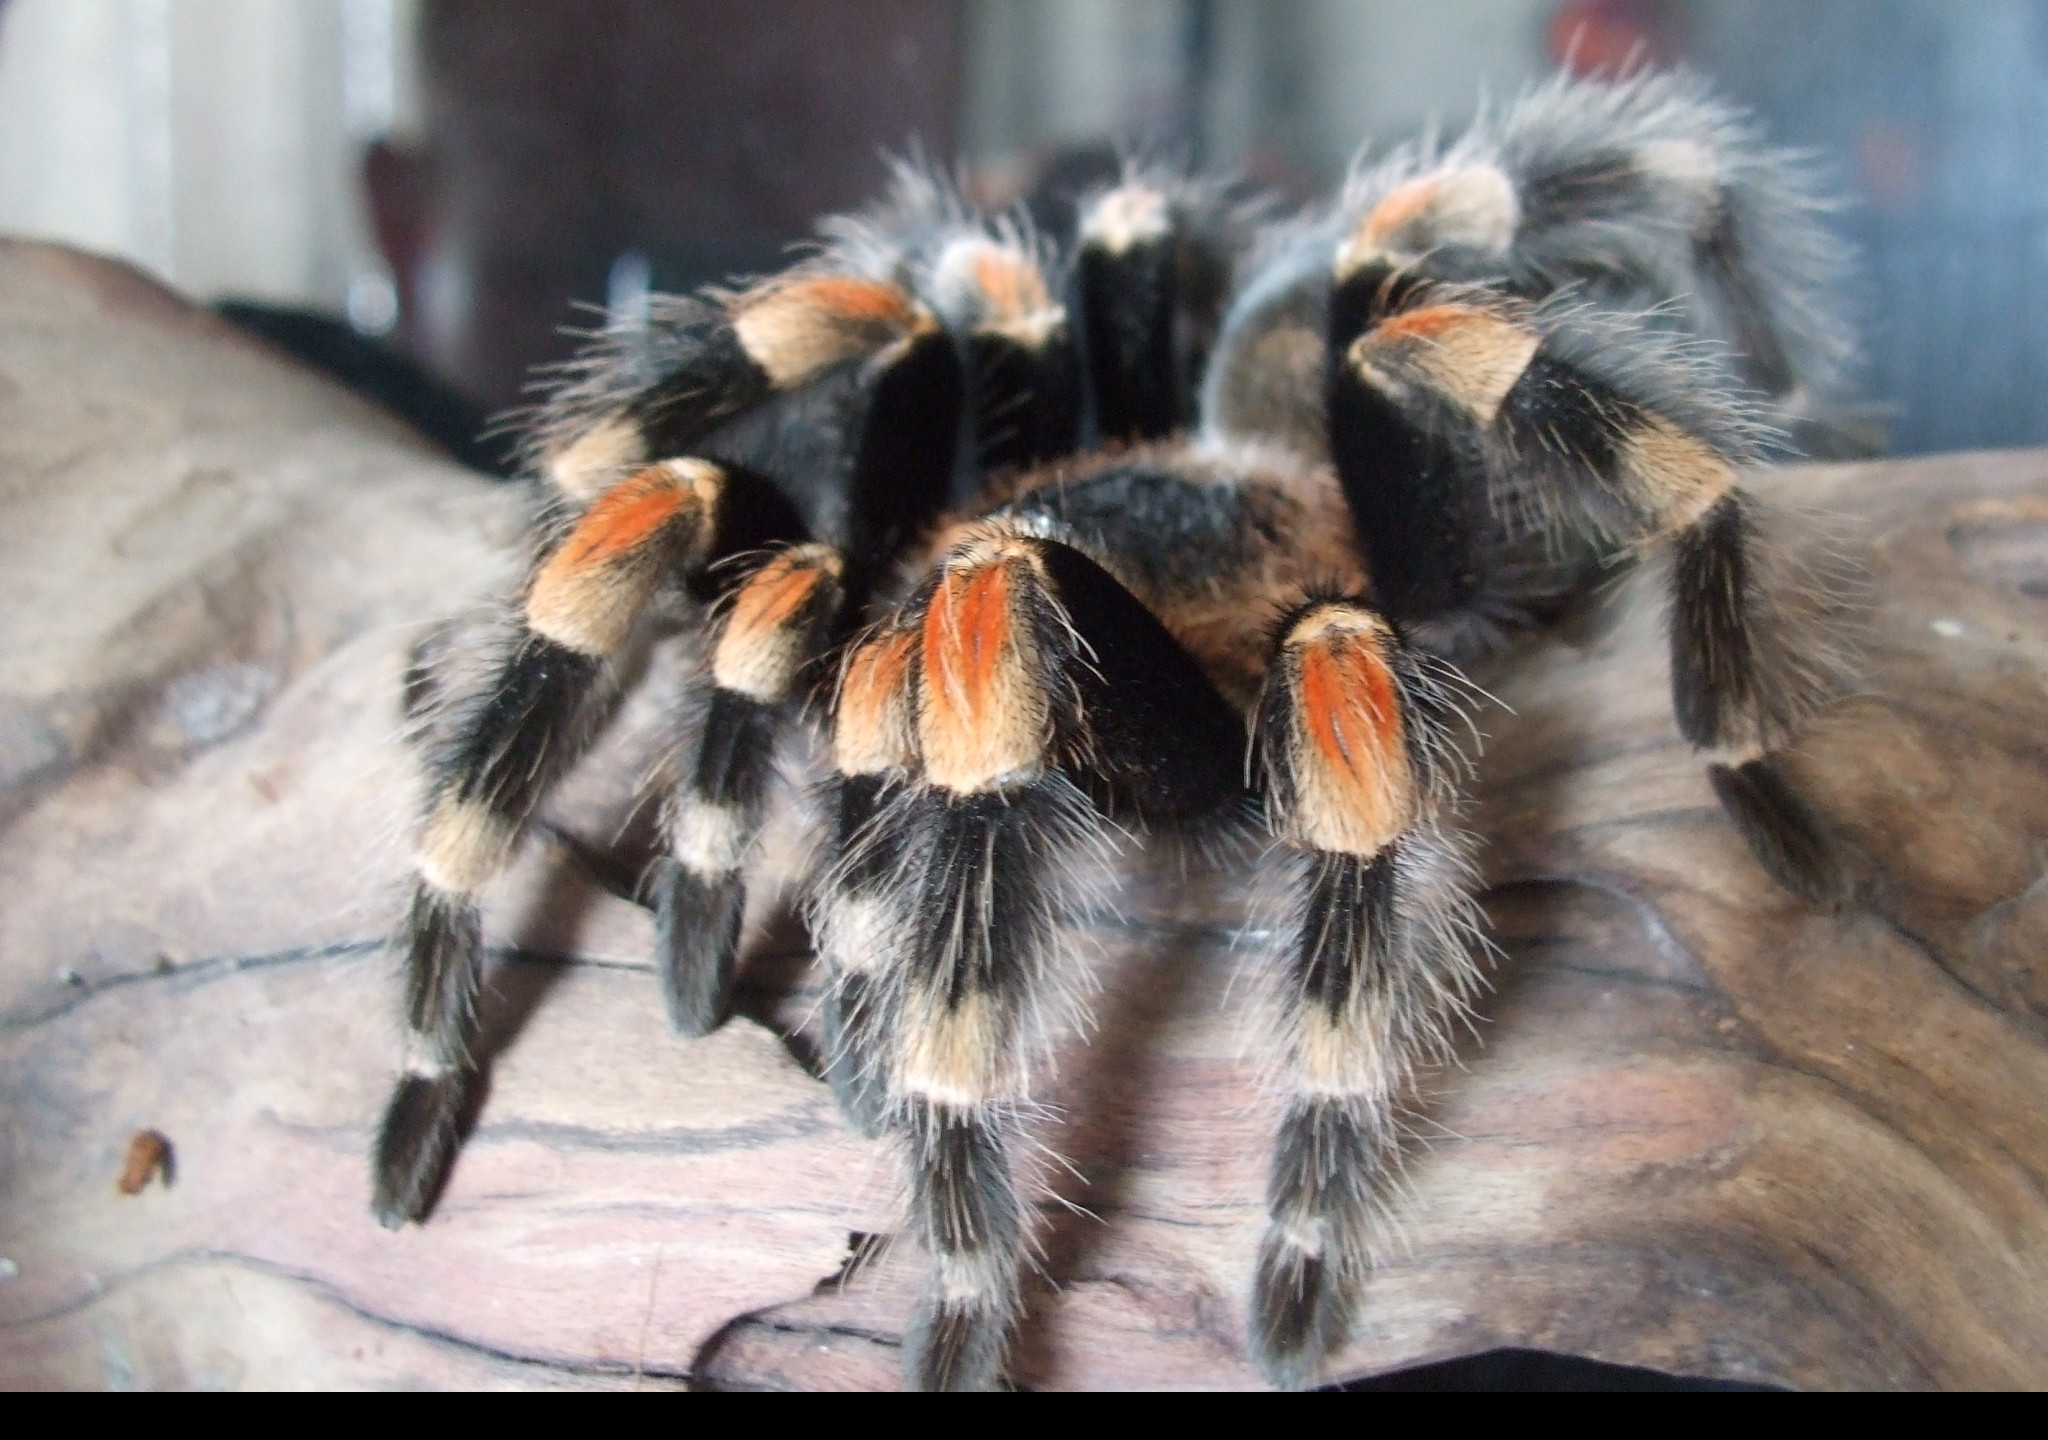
column 1891, row 163
column 1609, row 37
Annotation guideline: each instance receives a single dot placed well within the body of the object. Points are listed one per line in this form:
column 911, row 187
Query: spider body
column 1180, row 533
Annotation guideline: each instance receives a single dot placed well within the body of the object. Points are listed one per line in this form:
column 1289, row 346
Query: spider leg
column 1413, row 399
column 1754, row 632
column 1152, row 274
column 1017, row 352
column 858, row 916
column 1126, row 282
column 780, row 622
column 553, row 684
column 897, row 471
column 1352, row 730
column 983, row 836
column 1025, row 694
column 1751, row 656
column 1645, row 194
column 848, row 393
column 715, row 361
column 1455, row 426
column 858, row 920
column 1652, row 190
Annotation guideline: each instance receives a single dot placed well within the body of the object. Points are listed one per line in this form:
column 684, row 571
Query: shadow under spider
column 1167, row 966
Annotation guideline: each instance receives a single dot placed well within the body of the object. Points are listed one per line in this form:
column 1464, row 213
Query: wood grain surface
column 1698, row 1126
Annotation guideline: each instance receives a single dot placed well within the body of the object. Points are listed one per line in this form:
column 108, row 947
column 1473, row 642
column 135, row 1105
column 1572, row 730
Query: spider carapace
column 1052, row 538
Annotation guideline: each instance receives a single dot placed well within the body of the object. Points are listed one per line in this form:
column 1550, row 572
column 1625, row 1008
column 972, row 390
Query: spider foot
column 696, row 944
column 1300, row 1312
column 1783, row 833
column 967, row 1206
column 416, row 1145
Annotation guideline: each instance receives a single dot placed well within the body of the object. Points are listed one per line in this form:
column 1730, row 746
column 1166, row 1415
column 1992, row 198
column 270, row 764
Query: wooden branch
column 1701, row 1128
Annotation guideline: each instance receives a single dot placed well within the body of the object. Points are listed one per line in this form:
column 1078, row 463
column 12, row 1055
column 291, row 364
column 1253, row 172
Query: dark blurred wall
column 701, row 136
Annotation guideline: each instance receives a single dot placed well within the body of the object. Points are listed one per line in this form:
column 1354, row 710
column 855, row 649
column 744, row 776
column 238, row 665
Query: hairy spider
column 1056, row 534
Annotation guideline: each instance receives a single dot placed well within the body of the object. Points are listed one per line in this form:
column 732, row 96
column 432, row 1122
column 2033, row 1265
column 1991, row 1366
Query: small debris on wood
column 149, row 1155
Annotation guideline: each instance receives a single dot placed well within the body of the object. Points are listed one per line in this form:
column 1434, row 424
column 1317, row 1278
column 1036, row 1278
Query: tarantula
column 1179, row 530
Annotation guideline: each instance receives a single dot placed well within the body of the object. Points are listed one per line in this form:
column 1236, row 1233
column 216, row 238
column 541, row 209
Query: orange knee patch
column 1354, row 788
column 596, row 458
column 1010, row 284
column 586, row 594
column 1475, row 207
column 622, row 520
column 1402, row 207
column 873, row 731
column 997, row 289
column 767, row 636
column 855, row 301
column 1125, row 218
column 1431, row 322
column 982, row 713
column 794, row 329
column 1471, row 356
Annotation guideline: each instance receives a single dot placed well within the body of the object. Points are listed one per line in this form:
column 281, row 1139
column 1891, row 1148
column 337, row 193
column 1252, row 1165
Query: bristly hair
column 1644, row 196
column 1736, row 231
column 1647, row 191
column 900, row 237
column 1681, row 379
column 1069, row 512
column 1219, row 221
column 1337, row 1170
column 1049, row 833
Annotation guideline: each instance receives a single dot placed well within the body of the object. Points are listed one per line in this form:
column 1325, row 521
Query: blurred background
column 418, row 194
